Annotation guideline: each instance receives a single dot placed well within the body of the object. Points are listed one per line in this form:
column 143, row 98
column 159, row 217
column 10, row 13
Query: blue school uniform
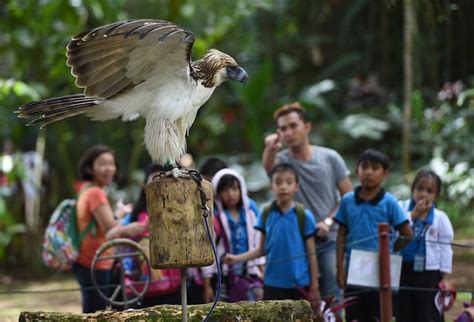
column 361, row 218
column 287, row 265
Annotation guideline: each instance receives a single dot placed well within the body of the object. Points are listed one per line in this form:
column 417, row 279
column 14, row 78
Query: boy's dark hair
column 283, row 167
column 374, row 156
column 86, row 162
column 288, row 108
column 211, row 166
column 427, row 173
column 228, row 180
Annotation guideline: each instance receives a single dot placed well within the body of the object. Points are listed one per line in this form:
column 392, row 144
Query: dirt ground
column 60, row 294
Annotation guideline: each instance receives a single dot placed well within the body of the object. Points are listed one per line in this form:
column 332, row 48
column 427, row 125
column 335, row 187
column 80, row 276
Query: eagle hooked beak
column 237, row 73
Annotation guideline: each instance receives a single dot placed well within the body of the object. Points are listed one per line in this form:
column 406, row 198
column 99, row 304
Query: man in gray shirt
column 322, row 174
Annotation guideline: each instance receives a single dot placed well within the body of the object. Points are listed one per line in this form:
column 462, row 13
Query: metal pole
column 184, row 299
column 384, row 274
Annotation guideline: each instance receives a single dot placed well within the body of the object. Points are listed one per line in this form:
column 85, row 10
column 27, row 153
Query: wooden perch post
column 178, row 237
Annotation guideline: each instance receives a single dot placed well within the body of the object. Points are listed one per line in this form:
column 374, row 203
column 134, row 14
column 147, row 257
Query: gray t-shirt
column 318, row 180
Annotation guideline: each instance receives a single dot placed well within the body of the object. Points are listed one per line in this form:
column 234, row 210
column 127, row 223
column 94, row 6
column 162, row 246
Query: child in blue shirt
column 359, row 214
column 287, row 268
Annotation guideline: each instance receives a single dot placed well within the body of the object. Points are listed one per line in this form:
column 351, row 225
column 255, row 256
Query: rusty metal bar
column 384, row 273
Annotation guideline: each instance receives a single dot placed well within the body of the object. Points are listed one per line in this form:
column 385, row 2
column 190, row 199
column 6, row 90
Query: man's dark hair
column 283, row 167
column 211, row 166
column 86, row 162
column 374, row 156
column 289, row 108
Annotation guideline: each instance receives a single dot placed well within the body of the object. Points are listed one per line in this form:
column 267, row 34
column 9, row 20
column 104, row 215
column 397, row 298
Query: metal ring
column 120, row 242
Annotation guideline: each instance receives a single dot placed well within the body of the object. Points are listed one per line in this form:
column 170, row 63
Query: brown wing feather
column 100, row 59
column 100, row 87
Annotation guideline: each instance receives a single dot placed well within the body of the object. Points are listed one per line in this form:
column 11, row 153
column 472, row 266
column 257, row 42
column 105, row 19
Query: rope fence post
column 384, row 273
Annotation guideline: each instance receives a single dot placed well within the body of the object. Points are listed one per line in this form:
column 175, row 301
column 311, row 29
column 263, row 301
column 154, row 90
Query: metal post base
column 184, row 298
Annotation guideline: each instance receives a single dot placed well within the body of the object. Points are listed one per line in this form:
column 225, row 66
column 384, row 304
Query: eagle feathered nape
column 139, row 68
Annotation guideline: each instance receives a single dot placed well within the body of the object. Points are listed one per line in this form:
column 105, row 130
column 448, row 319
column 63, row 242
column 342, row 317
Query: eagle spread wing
column 139, row 68
column 108, row 59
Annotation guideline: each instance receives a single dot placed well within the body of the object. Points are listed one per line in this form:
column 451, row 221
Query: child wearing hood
column 234, row 233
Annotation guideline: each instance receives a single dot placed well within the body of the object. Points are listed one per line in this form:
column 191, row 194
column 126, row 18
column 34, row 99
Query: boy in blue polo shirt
column 358, row 215
column 285, row 244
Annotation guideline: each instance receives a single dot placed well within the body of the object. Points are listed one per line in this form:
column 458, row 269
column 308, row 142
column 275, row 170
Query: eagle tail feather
column 56, row 109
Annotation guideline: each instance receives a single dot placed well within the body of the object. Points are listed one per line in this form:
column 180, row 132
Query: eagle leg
column 176, row 171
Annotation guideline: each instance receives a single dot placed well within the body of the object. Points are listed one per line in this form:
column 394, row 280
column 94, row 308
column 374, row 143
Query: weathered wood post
column 178, row 236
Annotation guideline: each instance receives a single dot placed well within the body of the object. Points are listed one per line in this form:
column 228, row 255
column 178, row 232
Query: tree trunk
column 408, row 53
column 243, row 311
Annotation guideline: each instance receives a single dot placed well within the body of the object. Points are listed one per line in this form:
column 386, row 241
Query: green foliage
column 10, row 172
column 445, row 134
column 257, row 112
column 8, row 228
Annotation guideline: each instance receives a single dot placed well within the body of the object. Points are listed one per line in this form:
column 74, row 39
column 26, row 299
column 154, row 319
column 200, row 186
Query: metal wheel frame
column 122, row 287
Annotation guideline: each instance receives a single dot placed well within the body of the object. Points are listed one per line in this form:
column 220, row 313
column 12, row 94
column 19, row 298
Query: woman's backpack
column 61, row 238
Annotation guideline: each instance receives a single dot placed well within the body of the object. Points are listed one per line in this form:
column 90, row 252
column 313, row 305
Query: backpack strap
column 78, row 236
column 300, row 213
column 266, row 212
column 222, row 235
column 299, row 209
column 217, row 228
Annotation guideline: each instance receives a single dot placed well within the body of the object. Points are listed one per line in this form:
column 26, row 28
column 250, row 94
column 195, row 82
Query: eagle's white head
column 216, row 67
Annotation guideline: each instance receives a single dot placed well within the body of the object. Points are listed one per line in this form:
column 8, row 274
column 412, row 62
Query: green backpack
column 299, row 209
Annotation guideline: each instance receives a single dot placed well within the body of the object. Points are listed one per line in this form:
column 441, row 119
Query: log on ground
column 286, row 310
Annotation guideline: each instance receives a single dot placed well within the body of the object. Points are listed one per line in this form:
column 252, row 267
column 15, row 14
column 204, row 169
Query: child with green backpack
column 287, row 241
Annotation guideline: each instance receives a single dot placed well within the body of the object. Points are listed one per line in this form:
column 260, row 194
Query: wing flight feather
column 108, row 59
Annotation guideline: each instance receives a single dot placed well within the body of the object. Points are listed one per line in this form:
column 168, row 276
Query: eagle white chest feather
column 171, row 113
column 169, row 110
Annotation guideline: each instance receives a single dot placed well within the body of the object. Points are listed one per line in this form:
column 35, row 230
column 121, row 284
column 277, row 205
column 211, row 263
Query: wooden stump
column 178, row 236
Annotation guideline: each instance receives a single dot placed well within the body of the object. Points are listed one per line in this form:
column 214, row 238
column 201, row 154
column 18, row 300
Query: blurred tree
column 409, row 31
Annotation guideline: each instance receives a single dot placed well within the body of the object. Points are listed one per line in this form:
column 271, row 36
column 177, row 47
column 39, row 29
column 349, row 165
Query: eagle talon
column 177, row 173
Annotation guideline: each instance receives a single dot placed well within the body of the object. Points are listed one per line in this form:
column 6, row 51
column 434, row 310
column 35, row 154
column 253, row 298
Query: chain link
column 197, row 177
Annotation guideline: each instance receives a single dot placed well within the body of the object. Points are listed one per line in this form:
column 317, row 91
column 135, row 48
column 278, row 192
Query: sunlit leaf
column 363, row 125
column 23, row 90
column 464, row 95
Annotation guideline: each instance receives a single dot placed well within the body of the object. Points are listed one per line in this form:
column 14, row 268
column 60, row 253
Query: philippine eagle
column 139, row 68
